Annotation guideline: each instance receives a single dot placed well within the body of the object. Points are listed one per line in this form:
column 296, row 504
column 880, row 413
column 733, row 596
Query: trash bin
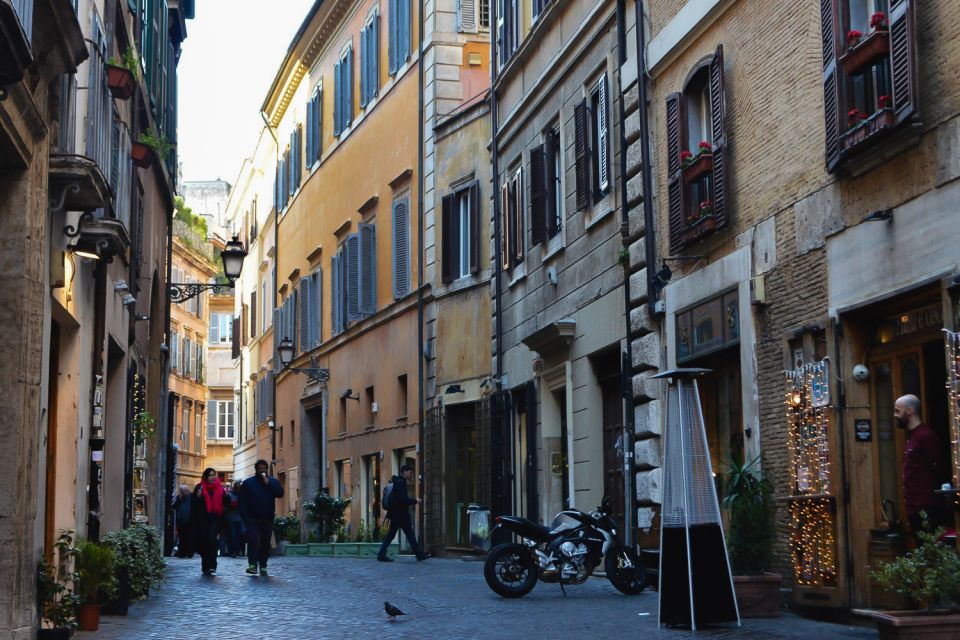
column 479, row 527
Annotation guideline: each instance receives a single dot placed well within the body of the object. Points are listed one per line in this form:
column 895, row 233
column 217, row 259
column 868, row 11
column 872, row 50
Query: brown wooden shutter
column 504, row 225
column 550, row 176
column 831, row 81
column 719, row 141
column 581, row 123
column 538, row 213
column 253, row 315
column 675, row 176
column 244, row 312
column 448, row 250
column 903, row 58
column 235, row 341
column 475, row 228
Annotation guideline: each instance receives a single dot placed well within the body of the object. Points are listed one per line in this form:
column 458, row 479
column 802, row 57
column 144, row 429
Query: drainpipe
column 646, row 166
column 626, row 365
column 494, row 159
column 420, row 234
column 276, row 260
column 167, row 417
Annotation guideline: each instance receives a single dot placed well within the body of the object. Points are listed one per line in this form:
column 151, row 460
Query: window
column 185, row 423
column 472, row 14
column 280, row 195
column 221, row 328
column 253, row 315
column 461, row 233
column 370, row 60
column 511, row 215
column 401, row 247
column 295, row 159
column 225, row 416
column 174, row 351
column 353, row 287
column 198, row 370
column 538, row 7
column 370, row 406
column 546, row 192
column 402, row 396
column 343, row 415
column 314, row 128
column 293, row 432
column 342, row 471
column 310, row 297
column 187, row 368
column 285, row 326
column 870, row 80
column 343, row 92
column 263, row 397
column 592, row 142
column 508, row 29
column 697, row 156
column 398, row 24
column 198, row 430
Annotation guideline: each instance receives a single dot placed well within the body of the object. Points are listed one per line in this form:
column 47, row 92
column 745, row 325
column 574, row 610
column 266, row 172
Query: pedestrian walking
column 257, row 507
column 398, row 511
column 181, row 510
column 923, row 466
column 209, row 501
column 231, row 542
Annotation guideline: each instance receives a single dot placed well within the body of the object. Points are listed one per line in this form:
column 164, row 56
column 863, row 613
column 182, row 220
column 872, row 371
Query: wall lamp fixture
column 314, row 372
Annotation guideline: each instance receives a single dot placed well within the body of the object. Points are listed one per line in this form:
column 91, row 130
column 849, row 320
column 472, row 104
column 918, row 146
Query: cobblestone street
column 343, row 598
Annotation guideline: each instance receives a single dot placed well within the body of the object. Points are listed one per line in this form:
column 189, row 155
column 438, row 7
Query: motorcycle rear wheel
column 627, row 580
column 510, row 570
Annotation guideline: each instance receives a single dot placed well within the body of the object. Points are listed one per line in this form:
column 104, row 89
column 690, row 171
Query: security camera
column 861, row 373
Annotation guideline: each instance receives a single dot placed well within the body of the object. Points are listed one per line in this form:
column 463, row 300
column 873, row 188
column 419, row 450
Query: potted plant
column 141, row 154
column 95, row 582
column 327, row 512
column 878, row 21
column 749, row 501
column 143, row 426
column 930, row 577
column 286, row 529
column 139, row 561
column 122, row 74
column 686, row 158
column 55, row 598
column 855, row 117
column 700, row 163
column 863, row 51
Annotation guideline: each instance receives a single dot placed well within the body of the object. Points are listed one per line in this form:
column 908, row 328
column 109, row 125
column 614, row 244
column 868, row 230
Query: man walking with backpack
column 397, row 503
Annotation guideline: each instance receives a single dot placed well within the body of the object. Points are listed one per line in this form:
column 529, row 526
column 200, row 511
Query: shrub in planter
column 327, row 512
column 749, row 500
column 287, row 528
column 929, row 575
column 95, row 582
column 56, row 600
column 138, row 551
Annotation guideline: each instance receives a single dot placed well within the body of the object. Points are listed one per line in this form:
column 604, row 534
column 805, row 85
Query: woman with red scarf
column 207, row 518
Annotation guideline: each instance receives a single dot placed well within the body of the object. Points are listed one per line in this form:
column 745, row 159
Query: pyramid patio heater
column 696, row 586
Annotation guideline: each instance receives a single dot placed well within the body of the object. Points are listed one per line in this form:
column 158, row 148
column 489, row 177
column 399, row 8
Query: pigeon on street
column 392, row 611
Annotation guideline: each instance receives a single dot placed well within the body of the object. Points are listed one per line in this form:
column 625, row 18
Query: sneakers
column 252, row 570
column 263, row 572
column 384, row 559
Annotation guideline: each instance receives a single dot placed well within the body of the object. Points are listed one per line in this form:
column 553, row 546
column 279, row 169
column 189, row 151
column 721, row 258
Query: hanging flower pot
column 120, row 81
column 141, row 154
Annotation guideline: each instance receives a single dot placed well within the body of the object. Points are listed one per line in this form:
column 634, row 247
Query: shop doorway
column 607, row 367
column 462, row 458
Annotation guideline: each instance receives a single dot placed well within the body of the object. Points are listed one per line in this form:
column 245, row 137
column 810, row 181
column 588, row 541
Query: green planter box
column 345, row 548
column 340, row 549
column 322, row 549
column 298, row 550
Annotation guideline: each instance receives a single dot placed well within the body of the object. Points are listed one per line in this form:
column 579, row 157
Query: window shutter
column 214, row 328
column 538, row 214
column 211, row 419
column 903, row 58
column 374, row 81
column 504, row 225
column 253, row 314
column 450, row 251
column 603, row 137
column 518, row 209
column 404, row 32
column 348, row 93
column 337, row 90
column 316, row 303
column 351, row 254
column 305, row 314
column 467, row 16
column 277, row 330
column 364, row 64
column 174, row 349
column 401, row 248
column 368, row 269
column 550, row 151
column 309, row 132
column 335, row 295
column 831, row 81
column 235, row 339
column 675, row 176
column 318, row 119
column 294, row 301
column 582, row 154
column 475, row 228
column 392, row 34
column 719, row 138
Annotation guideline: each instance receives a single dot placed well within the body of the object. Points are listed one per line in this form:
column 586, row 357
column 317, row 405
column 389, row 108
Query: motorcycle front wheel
column 510, row 570
column 625, row 571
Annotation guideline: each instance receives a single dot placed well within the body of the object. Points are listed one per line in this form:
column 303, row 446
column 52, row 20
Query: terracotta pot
column 935, row 625
column 120, row 81
column 866, row 52
column 758, row 596
column 141, row 154
column 88, row 617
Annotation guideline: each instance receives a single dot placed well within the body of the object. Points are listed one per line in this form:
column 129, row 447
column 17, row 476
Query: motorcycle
column 567, row 552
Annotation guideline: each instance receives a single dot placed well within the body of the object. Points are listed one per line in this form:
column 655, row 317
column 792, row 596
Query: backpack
column 387, row 496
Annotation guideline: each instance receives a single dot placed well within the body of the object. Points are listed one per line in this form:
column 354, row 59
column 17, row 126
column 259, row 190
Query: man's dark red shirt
column 922, row 470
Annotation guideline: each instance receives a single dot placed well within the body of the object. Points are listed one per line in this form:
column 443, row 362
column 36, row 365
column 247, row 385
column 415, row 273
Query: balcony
column 16, row 39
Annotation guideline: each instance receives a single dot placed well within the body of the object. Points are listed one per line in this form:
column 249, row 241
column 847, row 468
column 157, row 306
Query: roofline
column 286, row 65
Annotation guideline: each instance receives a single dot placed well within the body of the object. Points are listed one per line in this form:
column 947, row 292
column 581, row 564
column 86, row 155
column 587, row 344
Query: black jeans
column 209, row 543
column 406, row 525
column 258, row 540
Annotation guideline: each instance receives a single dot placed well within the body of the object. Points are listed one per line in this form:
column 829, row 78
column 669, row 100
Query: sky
column 229, row 59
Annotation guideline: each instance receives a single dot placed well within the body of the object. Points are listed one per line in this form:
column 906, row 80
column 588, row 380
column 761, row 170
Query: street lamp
column 232, row 257
column 314, row 372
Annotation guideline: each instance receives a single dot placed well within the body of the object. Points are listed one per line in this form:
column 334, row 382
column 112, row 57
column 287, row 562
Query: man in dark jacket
column 399, row 513
column 258, row 507
column 923, row 466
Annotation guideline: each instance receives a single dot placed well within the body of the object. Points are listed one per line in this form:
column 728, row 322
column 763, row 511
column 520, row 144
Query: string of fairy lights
column 812, row 541
column 953, row 396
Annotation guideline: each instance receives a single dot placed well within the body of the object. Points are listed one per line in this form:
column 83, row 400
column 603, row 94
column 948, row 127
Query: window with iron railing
column 99, row 121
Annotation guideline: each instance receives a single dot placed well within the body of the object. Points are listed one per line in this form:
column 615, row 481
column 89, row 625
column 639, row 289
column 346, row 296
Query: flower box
column 943, row 625
column 866, row 52
column 702, row 163
column 141, row 154
column 882, row 119
column 120, row 81
column 758, row 596
column 702, row 227
column 297, row 550
column 340, row 549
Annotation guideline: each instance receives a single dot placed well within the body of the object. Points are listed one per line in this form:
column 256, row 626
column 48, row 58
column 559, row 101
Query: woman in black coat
column 206, row 517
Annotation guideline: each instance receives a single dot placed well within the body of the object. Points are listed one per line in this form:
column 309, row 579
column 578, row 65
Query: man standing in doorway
column 922, row 465
column 398, row 510
column 257, row 507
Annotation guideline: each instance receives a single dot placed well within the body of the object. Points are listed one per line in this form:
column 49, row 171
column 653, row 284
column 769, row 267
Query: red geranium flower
column 853, row 36
column 685, row 155
column 704, row 146
column 884, row 102
column 878, row 20
column 706, row 204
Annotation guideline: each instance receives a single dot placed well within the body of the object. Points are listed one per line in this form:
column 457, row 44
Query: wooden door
column 613, row 446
